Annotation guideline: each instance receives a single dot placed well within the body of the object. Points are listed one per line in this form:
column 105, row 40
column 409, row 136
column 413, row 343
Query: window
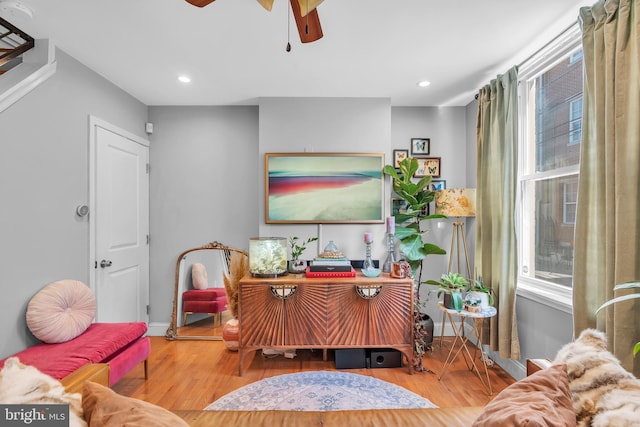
column 575, row 121
column 550, row 119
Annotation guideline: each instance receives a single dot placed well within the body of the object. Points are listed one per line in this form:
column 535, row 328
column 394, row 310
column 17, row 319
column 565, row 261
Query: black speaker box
column 385, row 358
column 351, row 358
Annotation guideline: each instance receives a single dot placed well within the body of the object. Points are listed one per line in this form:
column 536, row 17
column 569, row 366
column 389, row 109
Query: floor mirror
column 198, row 311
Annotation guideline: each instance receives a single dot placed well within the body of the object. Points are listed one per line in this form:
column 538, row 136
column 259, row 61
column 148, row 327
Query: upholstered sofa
column 540, row 399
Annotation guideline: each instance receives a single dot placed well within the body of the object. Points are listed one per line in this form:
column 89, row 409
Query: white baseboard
column 157, row 329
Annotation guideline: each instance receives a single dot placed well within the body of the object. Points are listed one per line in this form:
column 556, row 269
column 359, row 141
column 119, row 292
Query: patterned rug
column 319, row 391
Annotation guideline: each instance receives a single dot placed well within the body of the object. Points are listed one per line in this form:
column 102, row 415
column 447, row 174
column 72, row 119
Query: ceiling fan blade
column 308, row 26
column 200, row 3
column 267, row 4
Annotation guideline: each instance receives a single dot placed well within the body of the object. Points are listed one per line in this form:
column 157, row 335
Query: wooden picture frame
column 323, row 188
column 428, row 166
column 398, row 156
column 420, row 146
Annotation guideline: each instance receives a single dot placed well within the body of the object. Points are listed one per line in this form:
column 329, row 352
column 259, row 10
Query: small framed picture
column 420, row 146
column 438, row 184
column 428, row 166
column 398, row 156
column 424, row 211
column 398, row 206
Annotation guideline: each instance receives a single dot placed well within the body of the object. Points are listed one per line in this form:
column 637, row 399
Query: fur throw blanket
column 603, row 392
column 21, row 384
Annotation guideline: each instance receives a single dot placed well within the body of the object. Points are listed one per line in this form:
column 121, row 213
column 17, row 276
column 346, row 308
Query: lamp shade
column 456, row 202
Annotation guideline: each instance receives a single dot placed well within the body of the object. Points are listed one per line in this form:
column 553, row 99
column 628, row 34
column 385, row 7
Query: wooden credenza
column 296, row 312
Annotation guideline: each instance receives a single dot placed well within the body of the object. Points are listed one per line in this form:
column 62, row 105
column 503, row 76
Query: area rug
column 319, row 391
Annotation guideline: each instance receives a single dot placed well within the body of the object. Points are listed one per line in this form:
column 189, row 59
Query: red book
column 333, row 272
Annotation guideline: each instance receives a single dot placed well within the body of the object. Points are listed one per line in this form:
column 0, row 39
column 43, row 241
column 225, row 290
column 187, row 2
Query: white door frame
column 93, row 123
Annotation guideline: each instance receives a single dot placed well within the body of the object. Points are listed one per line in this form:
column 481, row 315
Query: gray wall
column 203, row 187
column 43, row 177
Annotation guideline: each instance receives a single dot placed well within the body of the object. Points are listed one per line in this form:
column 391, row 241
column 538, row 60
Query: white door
column 120, row 222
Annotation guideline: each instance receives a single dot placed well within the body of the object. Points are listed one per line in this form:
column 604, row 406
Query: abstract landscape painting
column 324, row 187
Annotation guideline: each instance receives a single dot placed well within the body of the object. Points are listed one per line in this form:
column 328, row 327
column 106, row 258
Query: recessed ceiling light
column 184, row 79
column 423, row 83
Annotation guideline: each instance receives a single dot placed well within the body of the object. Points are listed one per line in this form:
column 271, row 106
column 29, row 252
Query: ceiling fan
column 304, row 11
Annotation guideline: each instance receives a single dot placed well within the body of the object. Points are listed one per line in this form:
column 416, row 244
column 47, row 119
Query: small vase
column 296, row 266
column 231, row 334
column 453, row 300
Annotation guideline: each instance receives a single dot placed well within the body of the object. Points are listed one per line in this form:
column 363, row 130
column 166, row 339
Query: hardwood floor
column 192, row 374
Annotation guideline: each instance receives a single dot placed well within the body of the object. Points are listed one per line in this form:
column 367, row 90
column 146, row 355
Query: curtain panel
column 496, row 250
column 607, row 242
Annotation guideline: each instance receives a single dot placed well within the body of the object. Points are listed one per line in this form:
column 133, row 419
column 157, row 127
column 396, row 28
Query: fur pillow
column 603, row 392
column 21, row 384
column 61, row 311
column 199, row 276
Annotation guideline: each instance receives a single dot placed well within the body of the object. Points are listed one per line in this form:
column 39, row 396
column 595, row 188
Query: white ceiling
column 234, row 50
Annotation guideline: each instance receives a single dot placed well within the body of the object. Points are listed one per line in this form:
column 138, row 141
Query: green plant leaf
column 636, row 349
column 618, row 299
column 626, row 285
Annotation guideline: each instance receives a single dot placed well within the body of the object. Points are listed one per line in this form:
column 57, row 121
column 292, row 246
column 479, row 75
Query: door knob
column 105, row 263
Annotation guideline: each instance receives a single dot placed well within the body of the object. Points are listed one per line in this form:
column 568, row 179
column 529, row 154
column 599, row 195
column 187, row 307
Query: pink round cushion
column 199, row 276
column 61, row 311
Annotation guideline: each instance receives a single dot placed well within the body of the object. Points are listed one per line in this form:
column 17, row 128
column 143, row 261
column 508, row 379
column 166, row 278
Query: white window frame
column 547, row 293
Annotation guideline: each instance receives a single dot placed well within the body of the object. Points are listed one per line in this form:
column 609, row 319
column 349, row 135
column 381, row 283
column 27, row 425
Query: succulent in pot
column 297, row 265
column 485, row 293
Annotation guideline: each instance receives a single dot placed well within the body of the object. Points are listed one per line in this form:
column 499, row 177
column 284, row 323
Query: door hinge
column 148, row 167
column 95, row 264
column 148, row 239
column 148, row 309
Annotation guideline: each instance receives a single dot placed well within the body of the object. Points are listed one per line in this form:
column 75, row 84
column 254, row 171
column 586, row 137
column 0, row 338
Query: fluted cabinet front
column 298, row 312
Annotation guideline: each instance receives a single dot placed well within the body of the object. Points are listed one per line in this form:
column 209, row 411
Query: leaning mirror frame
column 173, row 330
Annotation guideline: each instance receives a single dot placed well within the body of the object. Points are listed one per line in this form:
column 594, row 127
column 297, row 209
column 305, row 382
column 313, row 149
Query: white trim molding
column 37, row 66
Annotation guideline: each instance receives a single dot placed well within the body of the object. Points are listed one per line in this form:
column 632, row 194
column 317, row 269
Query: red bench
column 121, row 345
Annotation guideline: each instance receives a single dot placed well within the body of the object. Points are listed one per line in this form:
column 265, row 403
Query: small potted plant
column 478, row 290
column 451, row 285
column 297, row 265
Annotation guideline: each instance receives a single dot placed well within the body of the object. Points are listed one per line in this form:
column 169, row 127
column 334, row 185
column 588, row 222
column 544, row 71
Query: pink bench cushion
column 99, row 343
column 210, row 294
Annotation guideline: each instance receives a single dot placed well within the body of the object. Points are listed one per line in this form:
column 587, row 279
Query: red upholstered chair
column 211, row 301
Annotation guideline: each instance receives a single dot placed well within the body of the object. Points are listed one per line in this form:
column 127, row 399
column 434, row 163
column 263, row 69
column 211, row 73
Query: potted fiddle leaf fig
column 297, row 265
column 411, row 244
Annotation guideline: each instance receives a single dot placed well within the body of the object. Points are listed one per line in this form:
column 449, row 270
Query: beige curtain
column 496, row 251
column 607, row 243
